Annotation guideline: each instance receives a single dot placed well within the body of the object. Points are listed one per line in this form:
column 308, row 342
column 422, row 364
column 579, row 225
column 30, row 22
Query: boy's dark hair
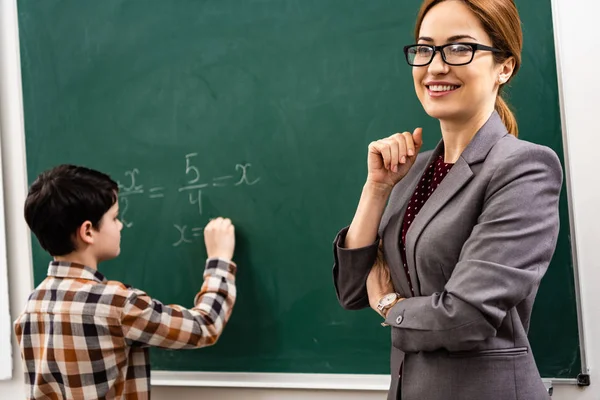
column 63, row 198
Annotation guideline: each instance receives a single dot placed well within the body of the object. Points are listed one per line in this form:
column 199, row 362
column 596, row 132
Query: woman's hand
column 391, row 158
column 379, row 283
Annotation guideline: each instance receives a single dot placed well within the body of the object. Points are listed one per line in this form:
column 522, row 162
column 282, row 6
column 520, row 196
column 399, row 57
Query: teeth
column 442, row 88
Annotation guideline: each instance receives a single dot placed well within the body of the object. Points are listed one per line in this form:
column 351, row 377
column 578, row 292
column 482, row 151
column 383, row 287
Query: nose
column 437, row 65
column 120, row 225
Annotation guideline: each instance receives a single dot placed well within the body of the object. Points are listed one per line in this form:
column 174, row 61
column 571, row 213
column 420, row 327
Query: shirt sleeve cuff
column 220, row 267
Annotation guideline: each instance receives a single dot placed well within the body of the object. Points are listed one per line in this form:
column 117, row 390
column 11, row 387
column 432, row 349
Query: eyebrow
column 450, row 39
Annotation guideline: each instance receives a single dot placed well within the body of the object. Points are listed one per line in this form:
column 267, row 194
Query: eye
column 459, row 50
column 422, row 51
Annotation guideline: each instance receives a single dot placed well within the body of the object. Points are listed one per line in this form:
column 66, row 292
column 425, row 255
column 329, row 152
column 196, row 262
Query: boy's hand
column 219, row 237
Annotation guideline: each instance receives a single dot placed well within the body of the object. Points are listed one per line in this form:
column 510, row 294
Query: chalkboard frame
column 377, row 382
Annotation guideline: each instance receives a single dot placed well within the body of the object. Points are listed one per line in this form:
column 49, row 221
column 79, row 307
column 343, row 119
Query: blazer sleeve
column 501, row 263
column 350, row 270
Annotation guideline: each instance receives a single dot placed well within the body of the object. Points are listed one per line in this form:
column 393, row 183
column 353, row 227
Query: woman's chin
column 441, row 113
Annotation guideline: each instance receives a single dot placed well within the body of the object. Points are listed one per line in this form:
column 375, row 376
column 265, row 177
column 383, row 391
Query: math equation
column 194, row 188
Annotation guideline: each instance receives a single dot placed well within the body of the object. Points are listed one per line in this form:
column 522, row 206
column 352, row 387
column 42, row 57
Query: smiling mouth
column 442, row 88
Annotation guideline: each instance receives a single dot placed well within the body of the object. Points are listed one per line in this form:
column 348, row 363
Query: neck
column 79, row 258
column 457, row 134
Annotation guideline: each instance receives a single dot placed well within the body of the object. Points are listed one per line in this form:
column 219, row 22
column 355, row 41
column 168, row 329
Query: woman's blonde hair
column 500, row 20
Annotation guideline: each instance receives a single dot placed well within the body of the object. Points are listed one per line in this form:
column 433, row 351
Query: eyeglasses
column 419, row 55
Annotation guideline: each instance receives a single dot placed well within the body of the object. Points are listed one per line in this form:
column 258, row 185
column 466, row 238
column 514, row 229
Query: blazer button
column 399, row 319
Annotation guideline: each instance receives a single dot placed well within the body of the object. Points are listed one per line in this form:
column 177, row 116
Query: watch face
column 388, row 299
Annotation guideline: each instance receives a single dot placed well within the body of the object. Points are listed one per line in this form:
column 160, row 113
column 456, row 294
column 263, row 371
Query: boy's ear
column 85, row 233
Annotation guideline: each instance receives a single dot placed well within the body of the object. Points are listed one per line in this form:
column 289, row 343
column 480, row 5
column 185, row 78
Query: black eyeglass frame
column 474, row 46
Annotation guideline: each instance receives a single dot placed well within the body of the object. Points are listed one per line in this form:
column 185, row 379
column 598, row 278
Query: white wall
column 5, row 322
column 14, row 185
column 575, row 25
column 13, row 168
column 576, row 43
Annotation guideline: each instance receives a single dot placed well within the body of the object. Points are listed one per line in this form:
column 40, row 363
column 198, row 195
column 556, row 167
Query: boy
column 83, row 337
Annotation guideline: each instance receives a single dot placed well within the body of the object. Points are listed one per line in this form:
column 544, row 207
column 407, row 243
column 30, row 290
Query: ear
column 85, row 233
column 506, row 70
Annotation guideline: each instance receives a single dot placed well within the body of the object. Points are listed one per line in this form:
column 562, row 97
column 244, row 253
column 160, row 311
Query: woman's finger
column 402, row 150
column 394, row 155
column 417, row 138
column 384, row 150
column 410, row 144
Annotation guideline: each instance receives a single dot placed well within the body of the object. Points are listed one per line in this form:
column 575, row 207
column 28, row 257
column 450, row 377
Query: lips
column 439, row 89
column 442, row 88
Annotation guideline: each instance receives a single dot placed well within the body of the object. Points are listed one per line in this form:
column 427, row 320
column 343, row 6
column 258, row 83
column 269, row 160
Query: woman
column 468, row 229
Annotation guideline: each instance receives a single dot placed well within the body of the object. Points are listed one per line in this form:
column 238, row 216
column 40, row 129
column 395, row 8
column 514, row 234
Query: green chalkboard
column 259, row 110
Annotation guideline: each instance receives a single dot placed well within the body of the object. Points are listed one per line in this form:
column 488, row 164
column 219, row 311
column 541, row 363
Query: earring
column 501, row 80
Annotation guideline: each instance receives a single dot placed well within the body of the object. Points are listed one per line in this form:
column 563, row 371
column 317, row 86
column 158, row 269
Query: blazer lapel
column 391, row 236
column 458, row 176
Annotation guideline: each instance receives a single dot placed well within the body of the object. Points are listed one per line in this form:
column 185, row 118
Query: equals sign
column 197, row 232
column 219, row 181
column 154, row 192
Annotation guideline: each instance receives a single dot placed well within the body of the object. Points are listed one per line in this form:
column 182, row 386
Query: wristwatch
column 387, row 302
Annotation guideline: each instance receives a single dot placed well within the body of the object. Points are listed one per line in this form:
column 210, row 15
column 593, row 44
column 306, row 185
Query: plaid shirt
column 83, row 337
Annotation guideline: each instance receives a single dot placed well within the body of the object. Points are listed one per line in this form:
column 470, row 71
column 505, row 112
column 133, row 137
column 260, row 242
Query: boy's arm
column 146, row 321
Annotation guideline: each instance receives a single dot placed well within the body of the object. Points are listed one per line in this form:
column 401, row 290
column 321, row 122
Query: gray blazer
column 476, row 253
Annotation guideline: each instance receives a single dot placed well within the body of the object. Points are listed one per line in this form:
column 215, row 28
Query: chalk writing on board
column 190, row 168
column 220, row 181
column 123, row 207
column 183, row 237
column 244, row 178
column 155, row 193
column 196, row 200
column 193, row 186
column 132, row 188
column 196, row 196
column 128, row 190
